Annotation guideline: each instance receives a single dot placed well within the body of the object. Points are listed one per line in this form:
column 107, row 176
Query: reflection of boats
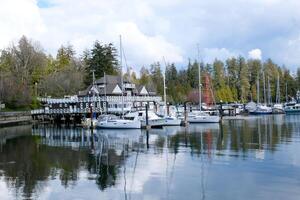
column 111, row 121
column 114, row 133
column 87, row 122
column 204, row 127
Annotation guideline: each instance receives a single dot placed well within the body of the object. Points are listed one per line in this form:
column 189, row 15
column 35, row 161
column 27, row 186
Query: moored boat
column 292, row 108
column 202, row 117
column 112, row 122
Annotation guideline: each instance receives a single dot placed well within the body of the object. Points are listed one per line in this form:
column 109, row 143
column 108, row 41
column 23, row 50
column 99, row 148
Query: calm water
column 256, row 158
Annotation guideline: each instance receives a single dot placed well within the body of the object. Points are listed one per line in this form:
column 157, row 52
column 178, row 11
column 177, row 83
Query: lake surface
column 255, row 158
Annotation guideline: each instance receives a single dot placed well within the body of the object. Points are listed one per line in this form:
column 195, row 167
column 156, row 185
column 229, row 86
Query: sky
column 153, row 29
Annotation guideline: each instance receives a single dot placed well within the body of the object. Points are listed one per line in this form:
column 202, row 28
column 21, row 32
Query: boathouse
column 105, row 95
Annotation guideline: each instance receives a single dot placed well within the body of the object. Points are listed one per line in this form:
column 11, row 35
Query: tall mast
column 278, row 91
column 93, row 90
column 199, row 74
column 269, row 91
column 286, row 94
column 121, row 76
column 264, row 82
column 257, row 89
column 105, row 88
column 165, row 92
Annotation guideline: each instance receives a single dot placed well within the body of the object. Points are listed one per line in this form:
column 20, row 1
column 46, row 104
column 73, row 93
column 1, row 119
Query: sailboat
column 201, row 116
column 278, row 107
column 261, row 109
column 168, row 119
column 111, row 121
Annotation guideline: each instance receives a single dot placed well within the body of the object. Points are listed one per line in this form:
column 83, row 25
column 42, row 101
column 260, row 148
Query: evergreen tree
column 101, row 58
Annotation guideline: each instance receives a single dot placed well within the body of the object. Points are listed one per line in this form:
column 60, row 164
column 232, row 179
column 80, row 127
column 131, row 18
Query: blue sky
column 152, row 29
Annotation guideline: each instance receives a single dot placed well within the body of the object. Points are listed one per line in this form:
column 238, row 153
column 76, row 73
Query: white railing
column 109, row 99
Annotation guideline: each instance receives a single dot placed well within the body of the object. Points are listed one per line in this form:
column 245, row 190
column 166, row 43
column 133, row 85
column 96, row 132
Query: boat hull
column 120, row 124
column 261, row 113
column 287, row 111
column 172, row 122
column 204, row 119
column 154, row 123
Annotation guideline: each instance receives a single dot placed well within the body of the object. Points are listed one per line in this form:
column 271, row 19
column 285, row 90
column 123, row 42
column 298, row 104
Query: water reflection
column 137, row 164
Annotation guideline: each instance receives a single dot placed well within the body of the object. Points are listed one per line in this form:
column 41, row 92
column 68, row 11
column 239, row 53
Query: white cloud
column 255, row 54
column 210, row 54
column 155, row 28
column 17, row 18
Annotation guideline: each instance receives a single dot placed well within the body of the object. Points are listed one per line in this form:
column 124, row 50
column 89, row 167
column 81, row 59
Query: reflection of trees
column 34, row 163
column 27, row 163
column 105, row 168
column 239, row 136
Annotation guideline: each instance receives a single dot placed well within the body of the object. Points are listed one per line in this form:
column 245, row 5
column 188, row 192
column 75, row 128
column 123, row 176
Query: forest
column 28, row 72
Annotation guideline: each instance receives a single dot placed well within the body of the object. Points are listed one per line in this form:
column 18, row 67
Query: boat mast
column 286, row 95
column 278, row 91
column 93, row 90
column 165, row 92
column 257, row 89
column 264, row 82
column 199, row 74
column 269, row 92
column 105, row 91
column 121, row 76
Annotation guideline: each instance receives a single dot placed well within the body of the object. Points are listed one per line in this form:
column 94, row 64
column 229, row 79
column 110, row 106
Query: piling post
column 185, row 115
column 147, row 120
column 221, row 109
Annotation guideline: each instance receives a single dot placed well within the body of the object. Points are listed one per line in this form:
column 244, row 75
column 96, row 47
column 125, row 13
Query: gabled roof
column 111, row 79
column 112, row 86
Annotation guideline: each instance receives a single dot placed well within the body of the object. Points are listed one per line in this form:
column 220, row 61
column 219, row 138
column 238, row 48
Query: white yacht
column 153, row 119
column 261, row 110
column 171, row 121
column 202, row 117
column 278, row 108
column 112, row 121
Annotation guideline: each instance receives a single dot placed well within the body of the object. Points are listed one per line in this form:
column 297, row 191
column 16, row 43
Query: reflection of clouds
column 4, row 192
column 150, row 166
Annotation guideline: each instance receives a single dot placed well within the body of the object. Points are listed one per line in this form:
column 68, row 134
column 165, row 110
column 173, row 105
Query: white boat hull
column 204, row 119
column 172, row 122
column 120, row 124
column 154, row 122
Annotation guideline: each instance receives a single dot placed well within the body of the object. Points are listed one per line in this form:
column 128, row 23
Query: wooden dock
column 14, row 118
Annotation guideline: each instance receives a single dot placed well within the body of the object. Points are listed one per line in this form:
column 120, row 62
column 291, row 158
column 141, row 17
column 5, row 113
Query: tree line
column 27, row 71
column 234, row 80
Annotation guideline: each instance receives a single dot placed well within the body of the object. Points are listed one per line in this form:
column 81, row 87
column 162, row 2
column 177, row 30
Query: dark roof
column 111, row 79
